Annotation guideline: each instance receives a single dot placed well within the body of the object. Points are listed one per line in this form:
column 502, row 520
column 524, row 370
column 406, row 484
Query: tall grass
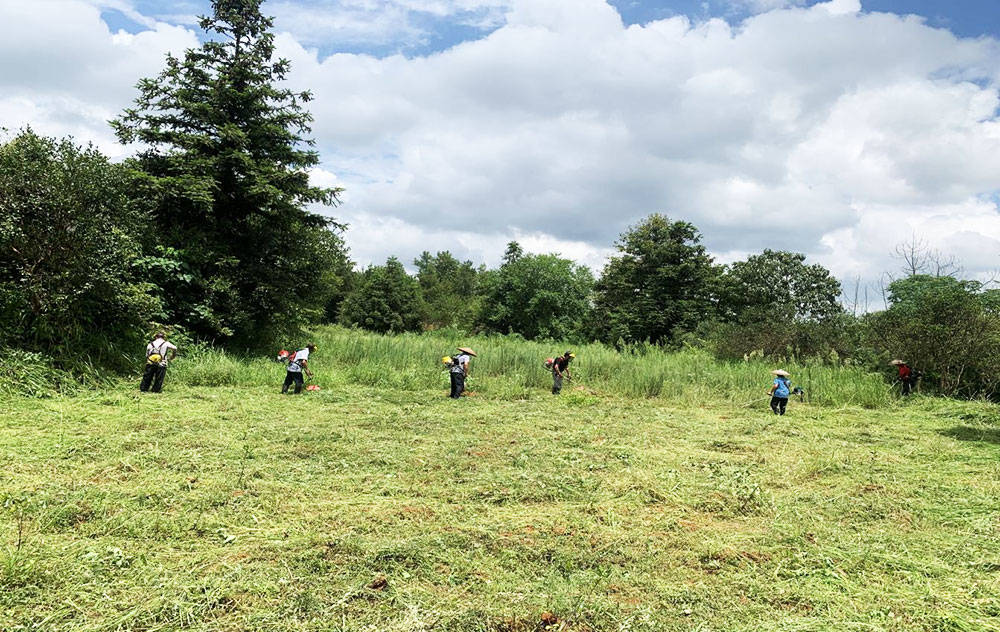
column 511, row 368
column 29, row 374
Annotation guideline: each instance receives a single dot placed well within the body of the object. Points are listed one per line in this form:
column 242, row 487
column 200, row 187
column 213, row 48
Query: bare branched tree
column 912, row 254
column 917, row 257
column 941, row 265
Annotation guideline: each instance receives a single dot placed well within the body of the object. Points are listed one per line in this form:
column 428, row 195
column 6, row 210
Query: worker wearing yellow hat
column 560, row 369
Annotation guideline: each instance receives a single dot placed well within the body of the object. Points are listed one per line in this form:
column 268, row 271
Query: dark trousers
column 292, row 376
column 778, row 405
column 153, row 377
column 908, row 385
column 557, row 381
column 457, row 384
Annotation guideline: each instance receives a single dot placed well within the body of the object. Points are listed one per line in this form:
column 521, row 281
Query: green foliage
column 779, row 285
column 32, row 374
column 945, row 327
column 332, row 276
column 660, row 285
column 536, row 296
column 226, row 161
column 449, row 290
column 386, row 299
column 775, row 303
column 68, row 247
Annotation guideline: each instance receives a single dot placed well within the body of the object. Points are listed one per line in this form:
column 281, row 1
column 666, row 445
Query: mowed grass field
column 373, row 508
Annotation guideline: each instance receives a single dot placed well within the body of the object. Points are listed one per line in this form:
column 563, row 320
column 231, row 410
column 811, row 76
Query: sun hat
column 896, row 362
column 781, row 372
column 467, row 350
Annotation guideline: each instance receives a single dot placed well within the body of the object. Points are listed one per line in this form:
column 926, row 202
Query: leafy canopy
column 67, row 252
column 537, row 296
column 946, row 327
column 661, row 284
column 226, row 158
column 449, row 289
column 386, row 299
column 779, row 285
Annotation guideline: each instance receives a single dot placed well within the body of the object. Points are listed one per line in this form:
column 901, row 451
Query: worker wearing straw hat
column 460, row 370
column 907, row 376
column 780, row 391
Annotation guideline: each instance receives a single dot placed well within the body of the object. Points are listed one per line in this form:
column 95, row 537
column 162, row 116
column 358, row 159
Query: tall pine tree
column 226, row 157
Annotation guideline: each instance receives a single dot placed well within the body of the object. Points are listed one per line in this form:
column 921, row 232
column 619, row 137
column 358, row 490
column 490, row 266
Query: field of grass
column 511, row 369
column 379, row 504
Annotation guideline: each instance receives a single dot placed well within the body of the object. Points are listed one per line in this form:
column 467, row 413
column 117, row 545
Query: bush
column 67, row 247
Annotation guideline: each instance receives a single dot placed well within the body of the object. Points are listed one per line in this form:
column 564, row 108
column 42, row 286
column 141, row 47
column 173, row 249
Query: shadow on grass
column 971, row 433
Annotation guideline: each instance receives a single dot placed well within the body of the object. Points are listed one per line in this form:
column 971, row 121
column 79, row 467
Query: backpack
column 155, row 355
column 549, row 363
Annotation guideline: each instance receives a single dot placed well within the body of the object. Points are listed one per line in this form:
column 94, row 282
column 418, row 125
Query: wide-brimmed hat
column 467, row 350
column 896, row 362
column 781, row 372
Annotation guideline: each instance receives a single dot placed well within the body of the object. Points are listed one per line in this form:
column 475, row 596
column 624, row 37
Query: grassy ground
column 366, row 508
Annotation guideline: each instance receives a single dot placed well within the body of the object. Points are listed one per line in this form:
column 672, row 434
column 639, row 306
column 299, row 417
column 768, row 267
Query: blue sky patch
column 426, row 33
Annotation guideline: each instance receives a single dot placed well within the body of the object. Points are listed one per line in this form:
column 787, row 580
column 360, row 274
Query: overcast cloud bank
column 825, row 130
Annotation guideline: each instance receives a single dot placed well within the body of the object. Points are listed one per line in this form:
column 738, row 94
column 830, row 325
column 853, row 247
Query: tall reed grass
column 511, row 368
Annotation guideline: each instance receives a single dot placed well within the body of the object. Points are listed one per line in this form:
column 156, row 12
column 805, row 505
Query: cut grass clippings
column 365, row 508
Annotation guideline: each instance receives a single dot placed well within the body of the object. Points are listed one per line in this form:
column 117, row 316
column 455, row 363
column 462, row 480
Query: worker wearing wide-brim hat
column 907, row 376
column 780, row 390
column 460, row 370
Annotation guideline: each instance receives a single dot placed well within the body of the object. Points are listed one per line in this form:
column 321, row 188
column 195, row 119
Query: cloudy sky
column 836, row 128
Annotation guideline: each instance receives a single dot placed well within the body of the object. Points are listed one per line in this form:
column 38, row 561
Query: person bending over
column 460, row 370
column 298, row 363
column 159, row 353
column 560, row 369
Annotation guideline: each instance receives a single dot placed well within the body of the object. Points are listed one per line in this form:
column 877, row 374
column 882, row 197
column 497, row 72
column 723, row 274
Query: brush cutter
column 754, row 401
column 311, row 387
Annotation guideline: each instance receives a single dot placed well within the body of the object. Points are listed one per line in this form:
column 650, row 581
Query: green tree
column 947, row 328
column 334, row 275
column 779, row 284
column 385, row 299
column 449, row 289
column 660, row 285
column 537, row 296
column 776, row 303
column 68, row 245
column 226, row 158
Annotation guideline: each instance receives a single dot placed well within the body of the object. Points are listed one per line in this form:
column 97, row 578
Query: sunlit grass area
column 377, row 503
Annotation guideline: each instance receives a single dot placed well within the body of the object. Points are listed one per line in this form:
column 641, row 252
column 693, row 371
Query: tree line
column 212, row 229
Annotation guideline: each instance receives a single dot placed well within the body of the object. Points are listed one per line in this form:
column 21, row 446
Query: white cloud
column 366, row 238
column 762, row 6
column 382, row 23
column 564, row 122
column 66, row 73
column 827, row 130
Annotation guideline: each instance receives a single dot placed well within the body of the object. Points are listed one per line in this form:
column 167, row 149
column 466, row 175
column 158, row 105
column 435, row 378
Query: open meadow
column 652, row 495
